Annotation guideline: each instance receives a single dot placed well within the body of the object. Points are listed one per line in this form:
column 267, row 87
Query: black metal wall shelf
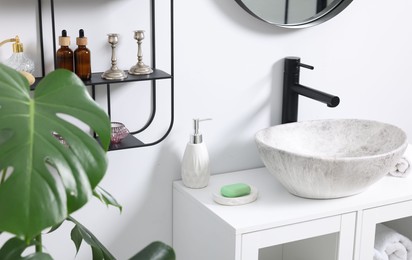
column 156, row 75
column 96, row 80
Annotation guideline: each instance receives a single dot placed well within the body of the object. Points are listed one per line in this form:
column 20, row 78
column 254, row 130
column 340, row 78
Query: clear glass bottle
column 82, row 58
column 64, row 55
column 18, row 60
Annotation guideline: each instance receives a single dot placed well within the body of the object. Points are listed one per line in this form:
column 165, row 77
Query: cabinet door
column 396, row 212
column 344, row 225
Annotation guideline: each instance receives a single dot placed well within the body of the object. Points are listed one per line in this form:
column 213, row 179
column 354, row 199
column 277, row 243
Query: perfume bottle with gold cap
column 18, row 60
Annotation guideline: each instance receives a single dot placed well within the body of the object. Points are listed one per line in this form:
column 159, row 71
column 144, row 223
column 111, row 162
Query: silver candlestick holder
column 140, row 68
column 114, row 73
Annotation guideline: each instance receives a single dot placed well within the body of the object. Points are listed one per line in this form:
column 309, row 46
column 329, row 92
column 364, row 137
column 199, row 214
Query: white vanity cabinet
column 281, row 226
column 396, row 216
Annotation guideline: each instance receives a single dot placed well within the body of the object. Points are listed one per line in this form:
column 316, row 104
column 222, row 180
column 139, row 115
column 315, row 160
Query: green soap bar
column 235, row 190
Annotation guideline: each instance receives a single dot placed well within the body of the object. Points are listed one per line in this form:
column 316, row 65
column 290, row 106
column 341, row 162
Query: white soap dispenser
column 195, row 162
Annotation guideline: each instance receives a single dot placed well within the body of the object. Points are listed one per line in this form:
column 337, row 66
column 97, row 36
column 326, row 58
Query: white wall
column 228, row 66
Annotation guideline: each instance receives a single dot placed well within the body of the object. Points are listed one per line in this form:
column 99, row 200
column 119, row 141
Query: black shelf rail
column 96, row 81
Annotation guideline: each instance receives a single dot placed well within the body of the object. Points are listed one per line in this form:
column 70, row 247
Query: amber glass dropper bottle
column 64, row 55
column 82, row 57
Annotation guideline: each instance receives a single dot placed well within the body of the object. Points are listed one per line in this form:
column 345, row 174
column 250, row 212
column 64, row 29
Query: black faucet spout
column 292, row 89
column 328, row 99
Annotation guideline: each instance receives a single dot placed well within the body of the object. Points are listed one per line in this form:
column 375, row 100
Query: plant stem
column 39, row 245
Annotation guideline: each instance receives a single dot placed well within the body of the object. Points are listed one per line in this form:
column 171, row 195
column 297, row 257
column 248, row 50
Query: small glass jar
column 119, row 132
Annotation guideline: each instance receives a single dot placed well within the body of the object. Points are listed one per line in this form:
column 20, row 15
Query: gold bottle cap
column 17, row 45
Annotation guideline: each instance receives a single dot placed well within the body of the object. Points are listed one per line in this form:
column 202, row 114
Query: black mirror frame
column 315, row 20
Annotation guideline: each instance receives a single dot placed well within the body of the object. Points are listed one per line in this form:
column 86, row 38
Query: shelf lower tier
column 128, row 142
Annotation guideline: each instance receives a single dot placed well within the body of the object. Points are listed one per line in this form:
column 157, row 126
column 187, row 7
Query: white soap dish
column 218, row 198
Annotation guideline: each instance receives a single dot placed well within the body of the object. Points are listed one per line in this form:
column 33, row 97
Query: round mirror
column 294, row 13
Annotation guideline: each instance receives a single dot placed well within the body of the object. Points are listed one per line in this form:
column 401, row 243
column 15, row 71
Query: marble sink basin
column 326, row 159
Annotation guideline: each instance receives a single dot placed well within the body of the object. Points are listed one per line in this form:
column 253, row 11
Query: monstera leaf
column 49, row 165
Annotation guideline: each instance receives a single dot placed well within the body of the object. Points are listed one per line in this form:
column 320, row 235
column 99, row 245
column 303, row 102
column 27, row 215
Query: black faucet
column 292, row 89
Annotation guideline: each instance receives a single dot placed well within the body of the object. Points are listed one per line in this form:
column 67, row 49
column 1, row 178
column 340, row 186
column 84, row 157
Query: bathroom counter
column 275, row 207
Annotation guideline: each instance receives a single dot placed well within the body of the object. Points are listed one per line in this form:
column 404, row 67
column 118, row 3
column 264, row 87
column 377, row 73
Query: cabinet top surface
column 276, row 207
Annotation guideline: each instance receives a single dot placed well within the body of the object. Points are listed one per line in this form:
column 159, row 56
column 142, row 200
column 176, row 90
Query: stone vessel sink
column 326, row 159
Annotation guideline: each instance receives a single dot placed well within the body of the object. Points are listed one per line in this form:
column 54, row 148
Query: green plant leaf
column 155, row 251
column 14, row 247
column 92, row 241
column 37, row 256
column 76, row 237
column 49, row 180
column 106, row 197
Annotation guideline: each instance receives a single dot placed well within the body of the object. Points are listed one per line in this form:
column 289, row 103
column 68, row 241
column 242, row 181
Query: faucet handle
column 305, row 66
